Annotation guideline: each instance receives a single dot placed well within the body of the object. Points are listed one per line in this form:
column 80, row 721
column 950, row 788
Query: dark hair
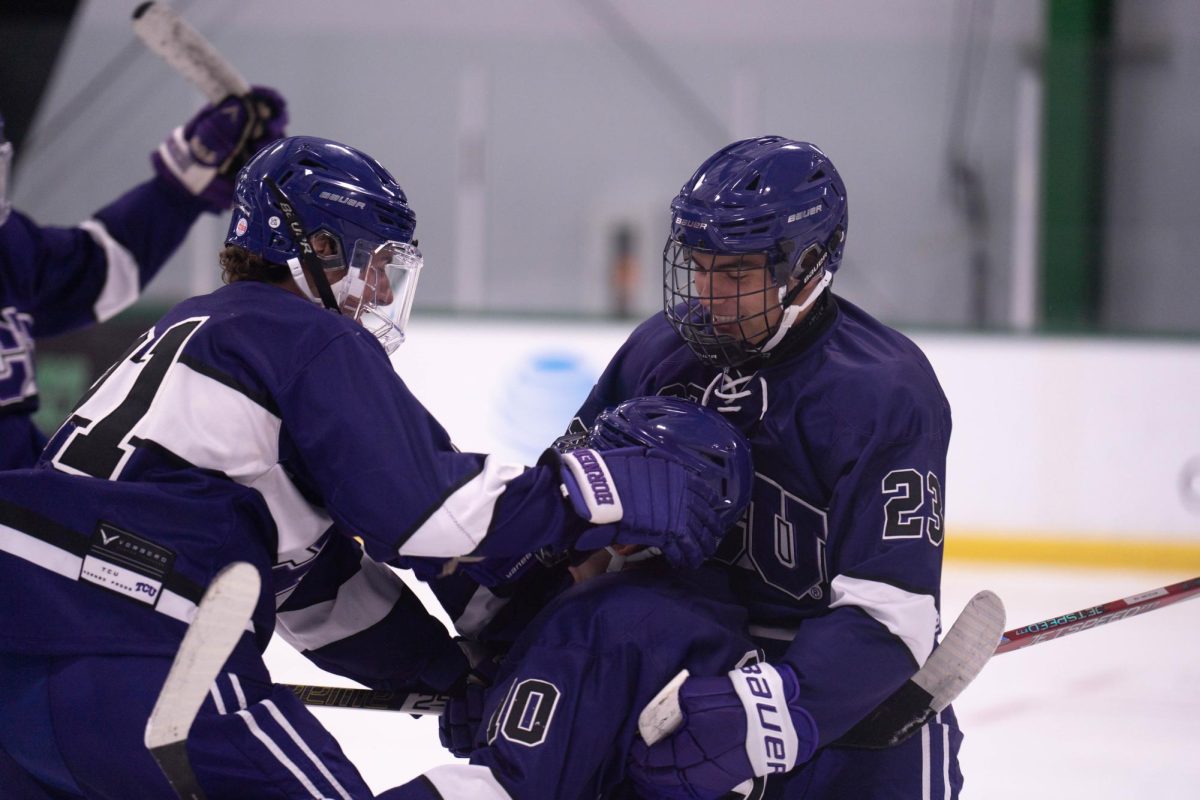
column 239, row 264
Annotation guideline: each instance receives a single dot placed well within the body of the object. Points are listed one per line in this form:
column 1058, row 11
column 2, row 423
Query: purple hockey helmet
column 772, row 197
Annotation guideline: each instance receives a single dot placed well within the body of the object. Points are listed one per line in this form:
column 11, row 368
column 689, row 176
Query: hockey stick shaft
column 951, row 669
column 218, row 624
column 422, row 703
column 1095, row 616
column 185, row 49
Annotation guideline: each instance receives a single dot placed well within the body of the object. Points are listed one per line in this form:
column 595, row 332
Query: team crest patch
column 242, row 226
column 127, row 564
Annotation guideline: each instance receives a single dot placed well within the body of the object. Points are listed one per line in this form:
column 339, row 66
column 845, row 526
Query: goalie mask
column 6, row 152
column 342, row 225
column 750, row 230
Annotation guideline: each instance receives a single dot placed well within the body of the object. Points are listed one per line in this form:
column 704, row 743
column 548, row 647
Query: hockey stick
column 1095, row 616
column 216, row 628
column 954, row 664
column 185, row 49
column 964, row 651
column 422, row 703
column 913, row 704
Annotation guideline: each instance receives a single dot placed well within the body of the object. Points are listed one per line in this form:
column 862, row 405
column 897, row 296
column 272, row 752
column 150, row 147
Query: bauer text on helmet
column 340, row 222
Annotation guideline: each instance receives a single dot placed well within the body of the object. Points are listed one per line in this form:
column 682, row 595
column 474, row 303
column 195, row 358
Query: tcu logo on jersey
column 16, row 357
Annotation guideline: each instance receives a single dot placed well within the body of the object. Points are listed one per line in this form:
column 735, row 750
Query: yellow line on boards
column 1126, row 553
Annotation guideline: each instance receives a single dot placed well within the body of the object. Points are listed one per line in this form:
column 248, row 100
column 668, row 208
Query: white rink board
column 1086, row 437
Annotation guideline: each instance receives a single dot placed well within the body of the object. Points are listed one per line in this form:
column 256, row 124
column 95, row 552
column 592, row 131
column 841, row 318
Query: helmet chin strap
column 792, row 312
column 297, row 270
column 306, row 262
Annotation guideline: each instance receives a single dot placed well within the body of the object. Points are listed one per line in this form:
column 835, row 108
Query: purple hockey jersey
column 249, row 424
column 54, row 280
column 838, row 558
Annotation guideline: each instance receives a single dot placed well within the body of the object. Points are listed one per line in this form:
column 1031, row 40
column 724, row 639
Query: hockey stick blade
column 218, row 625
column 909, row 708
column 961, row 656
column 420, row 703
column 662, row 715
column 964, row 650
column 185, row 49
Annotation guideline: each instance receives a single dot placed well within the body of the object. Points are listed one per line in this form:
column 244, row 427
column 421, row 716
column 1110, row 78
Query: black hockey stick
column 954, row 664
column 422, row 703
column 218, row 625
column 958, row 659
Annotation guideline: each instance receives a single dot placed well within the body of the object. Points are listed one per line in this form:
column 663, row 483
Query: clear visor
column 377, row 291
column 6, row 151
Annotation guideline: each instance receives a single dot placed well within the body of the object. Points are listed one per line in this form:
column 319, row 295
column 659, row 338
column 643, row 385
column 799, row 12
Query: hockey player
column 264, row 423
column 834, row 573
column 561, row 709
column 54, row 280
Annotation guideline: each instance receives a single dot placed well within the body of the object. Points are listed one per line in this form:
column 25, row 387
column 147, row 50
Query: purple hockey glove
column 735, row 728
column 203, row 156
column 640, row 496
column 460, row 721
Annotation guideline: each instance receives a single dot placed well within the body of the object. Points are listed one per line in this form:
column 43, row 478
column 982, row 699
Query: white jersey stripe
column 461, row 522
column 121, row 282
column 283, row 722
column 280, row 756
column 44, row 554
column 237, row 690
column 466, row 780
column 218, row 701
column 361, row 602
column 69, row 565
column 911, row 617
column 178, row 607
column 946, row 793
column 236, row 436
column 926, row 766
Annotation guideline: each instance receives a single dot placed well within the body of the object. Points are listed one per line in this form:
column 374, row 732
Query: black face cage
column 682, row 302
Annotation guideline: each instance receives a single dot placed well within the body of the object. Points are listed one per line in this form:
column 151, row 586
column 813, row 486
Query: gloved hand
column 490, row 571
column 735, row 727
column 498, row 570
column 463, row 715
column 642, row 496
column 203, row 156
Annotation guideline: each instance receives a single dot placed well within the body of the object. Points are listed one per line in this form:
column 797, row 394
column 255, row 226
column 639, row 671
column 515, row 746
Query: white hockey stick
column 218, row 625
column 963, row 652
column 911, row 706
column 185, row 49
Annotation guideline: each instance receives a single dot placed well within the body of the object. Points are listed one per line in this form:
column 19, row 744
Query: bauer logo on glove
column 591, row 488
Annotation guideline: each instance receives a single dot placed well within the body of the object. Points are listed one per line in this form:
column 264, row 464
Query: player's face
column 376, row 289
column 738, row 293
